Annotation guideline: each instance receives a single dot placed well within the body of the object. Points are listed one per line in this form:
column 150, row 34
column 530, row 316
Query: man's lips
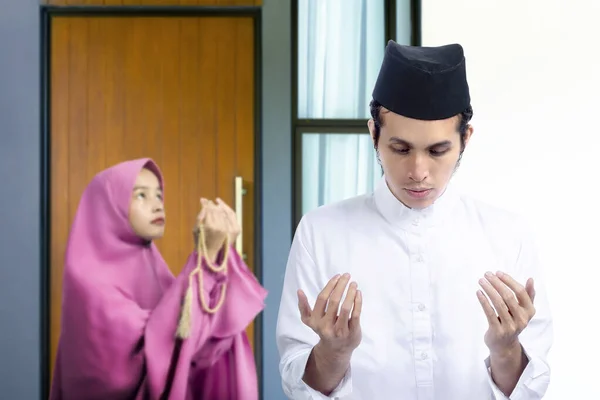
column 158, row 221
column 418, row 193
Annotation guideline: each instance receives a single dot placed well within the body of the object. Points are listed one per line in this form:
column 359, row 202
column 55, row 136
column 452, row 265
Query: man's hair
column 465, row 118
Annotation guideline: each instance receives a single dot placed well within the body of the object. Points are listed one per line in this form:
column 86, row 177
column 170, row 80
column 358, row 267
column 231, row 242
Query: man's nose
column 419, row 168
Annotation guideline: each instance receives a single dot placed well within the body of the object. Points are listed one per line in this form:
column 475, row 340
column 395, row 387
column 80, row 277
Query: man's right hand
column 339, row 334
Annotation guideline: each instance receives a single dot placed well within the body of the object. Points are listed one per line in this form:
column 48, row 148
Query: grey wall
column 20, row 195
column 19, row 200
column 276, row 175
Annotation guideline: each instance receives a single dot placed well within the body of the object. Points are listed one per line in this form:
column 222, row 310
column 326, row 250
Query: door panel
column 178, row 90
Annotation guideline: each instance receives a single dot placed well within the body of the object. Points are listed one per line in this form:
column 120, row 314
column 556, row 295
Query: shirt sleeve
column 537, row 338
column 294, row 339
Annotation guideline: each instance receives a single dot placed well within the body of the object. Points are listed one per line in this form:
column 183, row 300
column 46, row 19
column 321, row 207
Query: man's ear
column 371, row 125
column 468, row 134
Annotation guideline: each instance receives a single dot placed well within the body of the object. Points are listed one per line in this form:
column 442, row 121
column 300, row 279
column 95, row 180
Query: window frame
column 330, row 125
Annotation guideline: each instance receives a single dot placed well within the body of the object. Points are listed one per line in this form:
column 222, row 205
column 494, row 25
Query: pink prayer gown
column 121, row 308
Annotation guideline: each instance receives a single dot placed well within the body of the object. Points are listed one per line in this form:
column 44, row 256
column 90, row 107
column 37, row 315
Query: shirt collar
column 409, row 219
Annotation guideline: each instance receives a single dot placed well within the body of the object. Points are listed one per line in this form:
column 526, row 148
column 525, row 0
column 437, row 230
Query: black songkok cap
column 427, row 83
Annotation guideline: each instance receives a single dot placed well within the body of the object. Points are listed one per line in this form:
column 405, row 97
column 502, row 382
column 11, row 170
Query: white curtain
column 335, row 167
column 403, row 21
column 340, row 49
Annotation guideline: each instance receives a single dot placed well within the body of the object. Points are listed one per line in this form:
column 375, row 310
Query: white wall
column 534, row 72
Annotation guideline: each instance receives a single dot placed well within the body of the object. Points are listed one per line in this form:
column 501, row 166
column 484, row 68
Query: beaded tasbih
column 185, row 321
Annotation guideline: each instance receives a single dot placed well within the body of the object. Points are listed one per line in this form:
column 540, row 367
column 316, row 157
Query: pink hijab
column 121, row 307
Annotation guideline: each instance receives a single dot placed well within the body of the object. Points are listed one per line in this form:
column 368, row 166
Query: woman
column 126, row 331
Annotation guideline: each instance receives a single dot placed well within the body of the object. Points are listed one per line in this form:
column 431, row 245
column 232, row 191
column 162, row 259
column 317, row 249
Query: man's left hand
column 513, row 306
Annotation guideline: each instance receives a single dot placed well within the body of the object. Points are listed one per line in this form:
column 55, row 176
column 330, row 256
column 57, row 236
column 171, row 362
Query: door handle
column 239, row 212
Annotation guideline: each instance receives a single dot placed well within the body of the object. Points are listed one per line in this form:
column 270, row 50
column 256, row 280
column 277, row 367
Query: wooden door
column 177, row 89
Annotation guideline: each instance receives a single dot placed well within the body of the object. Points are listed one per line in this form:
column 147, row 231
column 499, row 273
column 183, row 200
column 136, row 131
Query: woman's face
column 146, row 210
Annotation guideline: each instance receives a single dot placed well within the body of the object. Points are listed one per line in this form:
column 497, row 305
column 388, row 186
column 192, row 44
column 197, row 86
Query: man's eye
column 400, row 151
column 438, row 152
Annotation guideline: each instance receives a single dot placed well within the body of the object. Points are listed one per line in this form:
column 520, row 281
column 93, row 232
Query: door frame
column 46, row 15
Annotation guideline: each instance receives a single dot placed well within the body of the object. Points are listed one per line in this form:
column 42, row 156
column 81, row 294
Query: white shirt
column 422, row 324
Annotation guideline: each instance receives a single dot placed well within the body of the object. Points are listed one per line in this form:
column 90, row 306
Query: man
column 417, row 292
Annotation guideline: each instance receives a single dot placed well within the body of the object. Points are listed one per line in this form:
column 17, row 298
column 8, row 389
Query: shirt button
column 421, row 307
column 420, row 259
column 416, row 222
column 424, row 356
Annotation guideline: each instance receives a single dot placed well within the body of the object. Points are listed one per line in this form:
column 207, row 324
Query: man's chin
column 418, row 203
